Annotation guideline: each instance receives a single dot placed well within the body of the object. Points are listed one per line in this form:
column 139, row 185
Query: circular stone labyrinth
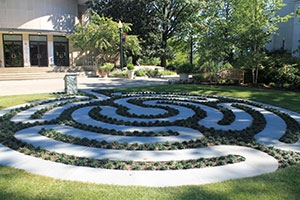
column 149, row 139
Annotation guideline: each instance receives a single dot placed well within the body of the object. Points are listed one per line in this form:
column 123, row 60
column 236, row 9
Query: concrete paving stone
column 262, row 163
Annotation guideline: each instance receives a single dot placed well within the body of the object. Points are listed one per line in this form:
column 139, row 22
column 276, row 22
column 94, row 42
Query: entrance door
column 13, row 50
column 38, row 51
column 61, row 51
column 61, row 57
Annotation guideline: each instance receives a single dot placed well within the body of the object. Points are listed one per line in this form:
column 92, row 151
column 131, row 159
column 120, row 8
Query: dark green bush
column 185, row 68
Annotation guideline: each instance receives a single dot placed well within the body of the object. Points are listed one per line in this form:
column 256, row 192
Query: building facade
column 33, row 32
column 288, row 34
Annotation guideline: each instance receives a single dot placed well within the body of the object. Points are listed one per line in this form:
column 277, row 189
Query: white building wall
column 296, row 32
column 1, row 52
column 51, row 15
column 38, row 17
column 288, row 34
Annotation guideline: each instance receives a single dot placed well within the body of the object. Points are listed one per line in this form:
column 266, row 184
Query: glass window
column 13, row 50
column 38, row 38
column 60, row 39
column 12, row 37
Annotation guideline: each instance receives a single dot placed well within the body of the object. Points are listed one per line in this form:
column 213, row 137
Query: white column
column 26, row 50
column 1, row 51
column 50, row 51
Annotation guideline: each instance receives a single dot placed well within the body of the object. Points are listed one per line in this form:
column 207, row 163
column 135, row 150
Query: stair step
column 7, row 74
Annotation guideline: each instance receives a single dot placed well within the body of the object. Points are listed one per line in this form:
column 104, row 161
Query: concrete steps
column 20, row 73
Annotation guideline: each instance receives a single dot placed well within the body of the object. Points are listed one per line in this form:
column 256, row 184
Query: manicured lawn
column 17, row 184
column 8, row 101
column 284, row 99
column 284, row 184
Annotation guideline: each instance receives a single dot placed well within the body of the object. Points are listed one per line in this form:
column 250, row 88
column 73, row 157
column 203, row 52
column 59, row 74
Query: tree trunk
column 163, row 57
column 256, row 75
column 191, row 49
column 135, row 60
column 253, row 75
column 163, row 61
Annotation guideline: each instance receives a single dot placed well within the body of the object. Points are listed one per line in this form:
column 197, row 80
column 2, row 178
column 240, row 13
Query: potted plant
column 130, row 68
column 184, row 70
column 104, row 69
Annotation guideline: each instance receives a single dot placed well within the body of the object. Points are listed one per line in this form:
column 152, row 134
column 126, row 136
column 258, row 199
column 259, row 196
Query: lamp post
column 120, row 26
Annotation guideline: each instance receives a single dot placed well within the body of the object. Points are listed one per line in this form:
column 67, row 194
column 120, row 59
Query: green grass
column 283, row 184
column 17, row 184
column 284, row 99
column 8, row 101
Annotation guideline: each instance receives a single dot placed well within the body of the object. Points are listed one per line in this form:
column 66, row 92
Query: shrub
column 105, row 68
column 151, row 73
column 118, row 73
column 139, row 73
column 185, row 68
column 166, row 73
column 272, row 84
column 108, row 66
column 202, row 77
column 171, row 67
column 130, row 66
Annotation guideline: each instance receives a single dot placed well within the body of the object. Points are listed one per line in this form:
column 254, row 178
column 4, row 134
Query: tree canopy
column 237, row 31
column 155, row 22
column 102, row 35
column 220, row 31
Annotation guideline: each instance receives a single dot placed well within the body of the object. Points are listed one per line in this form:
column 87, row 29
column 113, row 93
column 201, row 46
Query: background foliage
column 201, row 32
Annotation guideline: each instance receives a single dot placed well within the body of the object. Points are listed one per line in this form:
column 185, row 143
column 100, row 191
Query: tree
column 171, row 15
column 155, row 22
column 101, row 35
column 185, row 38
column 217, row 32
column 256, row 21
column 136, row 12
column 237, row 30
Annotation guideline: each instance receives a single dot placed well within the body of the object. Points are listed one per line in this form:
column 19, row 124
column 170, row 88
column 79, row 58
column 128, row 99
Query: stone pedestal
column 71, row 84
column 130, row 74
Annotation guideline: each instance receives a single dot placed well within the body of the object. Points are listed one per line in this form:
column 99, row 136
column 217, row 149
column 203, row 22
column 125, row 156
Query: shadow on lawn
column 283, row 184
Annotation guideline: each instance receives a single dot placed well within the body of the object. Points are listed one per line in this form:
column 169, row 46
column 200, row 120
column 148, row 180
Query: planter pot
column 183, row 76
column 130, row 74
column 105, row 75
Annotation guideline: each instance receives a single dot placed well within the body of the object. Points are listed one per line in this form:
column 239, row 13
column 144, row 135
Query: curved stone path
column 256, row 162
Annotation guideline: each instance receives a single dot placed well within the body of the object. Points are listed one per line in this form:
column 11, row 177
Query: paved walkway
column 57, row 85
column 256, row 162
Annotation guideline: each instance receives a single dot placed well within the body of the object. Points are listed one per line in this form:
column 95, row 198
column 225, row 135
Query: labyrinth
column 148, row 139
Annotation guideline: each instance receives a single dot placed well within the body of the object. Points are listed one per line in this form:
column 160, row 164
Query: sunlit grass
column 284, row 99
column 17, row 184
column 8, row 101
column 283, row 184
